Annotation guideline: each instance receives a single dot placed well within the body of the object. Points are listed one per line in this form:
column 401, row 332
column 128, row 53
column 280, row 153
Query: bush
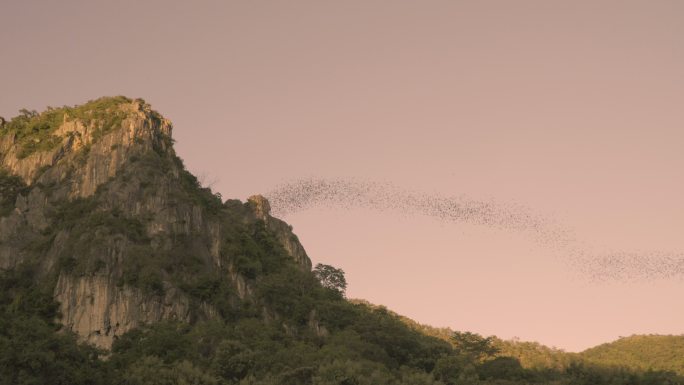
column 31, row 351
column 11, row 186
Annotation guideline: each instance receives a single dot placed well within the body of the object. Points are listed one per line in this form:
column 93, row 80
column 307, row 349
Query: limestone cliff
column 101, row 205
column 283, row 231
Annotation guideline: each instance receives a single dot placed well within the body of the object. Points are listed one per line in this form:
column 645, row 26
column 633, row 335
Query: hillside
column 530, row 355
column 118, row 267
column 645, row 352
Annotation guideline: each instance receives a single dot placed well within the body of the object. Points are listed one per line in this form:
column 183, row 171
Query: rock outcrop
column 113, row 221
column 283, row 231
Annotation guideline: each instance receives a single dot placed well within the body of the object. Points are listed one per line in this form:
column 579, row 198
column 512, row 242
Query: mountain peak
column 95, row 138
column 262, row 208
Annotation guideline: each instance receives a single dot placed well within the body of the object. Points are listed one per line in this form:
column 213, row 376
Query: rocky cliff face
column 283, row 231
column 105, row 210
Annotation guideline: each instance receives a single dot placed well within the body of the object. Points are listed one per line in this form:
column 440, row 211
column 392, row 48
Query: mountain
column 118, row 267
column 105, row 210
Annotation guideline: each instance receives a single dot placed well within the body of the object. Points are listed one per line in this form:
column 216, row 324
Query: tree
column 151, row 370
column 474, row 345
column 331, row 277
column 233, row 360
column 28, row 113
column 352, row 372
column 507, row 368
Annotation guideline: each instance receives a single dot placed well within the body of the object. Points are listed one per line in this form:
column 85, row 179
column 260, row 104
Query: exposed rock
column 262, row 208
column 101, row 201
column 315, row 326
column 102, row 158
column 282, row 230
column 98, row 310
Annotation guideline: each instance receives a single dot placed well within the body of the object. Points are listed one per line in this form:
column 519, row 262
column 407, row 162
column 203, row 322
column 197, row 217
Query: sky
column 569, row 109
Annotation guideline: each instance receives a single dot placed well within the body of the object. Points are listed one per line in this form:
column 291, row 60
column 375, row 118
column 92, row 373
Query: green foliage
column 331, row 278
column 20, row 294
column 151, row 370
column 31, row 350
column 501, row 368
column 362, row 344
column 587, row 374
column 474, row 345
column 233, row 360
column 11, row 186
column 404, row 347
column 290, row 293
column 32, row 353
column 644, row 352
column 196, row 192
column 533, row 355
column 449, row 368
column 254, row 250
column 352, row 372
column 104, row 114
column 34, row 132
column 92, row 231
column 168, row 341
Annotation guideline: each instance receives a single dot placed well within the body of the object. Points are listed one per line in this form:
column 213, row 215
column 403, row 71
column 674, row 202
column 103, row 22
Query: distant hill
column 655, row 352
column 532, row 355
column 637, row 352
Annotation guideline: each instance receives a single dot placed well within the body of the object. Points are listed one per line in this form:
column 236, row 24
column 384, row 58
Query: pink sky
column 573, row 109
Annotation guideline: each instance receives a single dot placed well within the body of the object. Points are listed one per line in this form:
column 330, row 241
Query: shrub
column 34, row 132
column 11, row 186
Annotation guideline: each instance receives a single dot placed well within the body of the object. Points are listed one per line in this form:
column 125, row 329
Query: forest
column 364, row 345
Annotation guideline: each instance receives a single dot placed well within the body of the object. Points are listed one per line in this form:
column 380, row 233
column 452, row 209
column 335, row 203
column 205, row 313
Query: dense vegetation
column 31, row 349
column 530, row 355
column 360, row 345
column 655, row 352
column 296, row 327
column 10, row 187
